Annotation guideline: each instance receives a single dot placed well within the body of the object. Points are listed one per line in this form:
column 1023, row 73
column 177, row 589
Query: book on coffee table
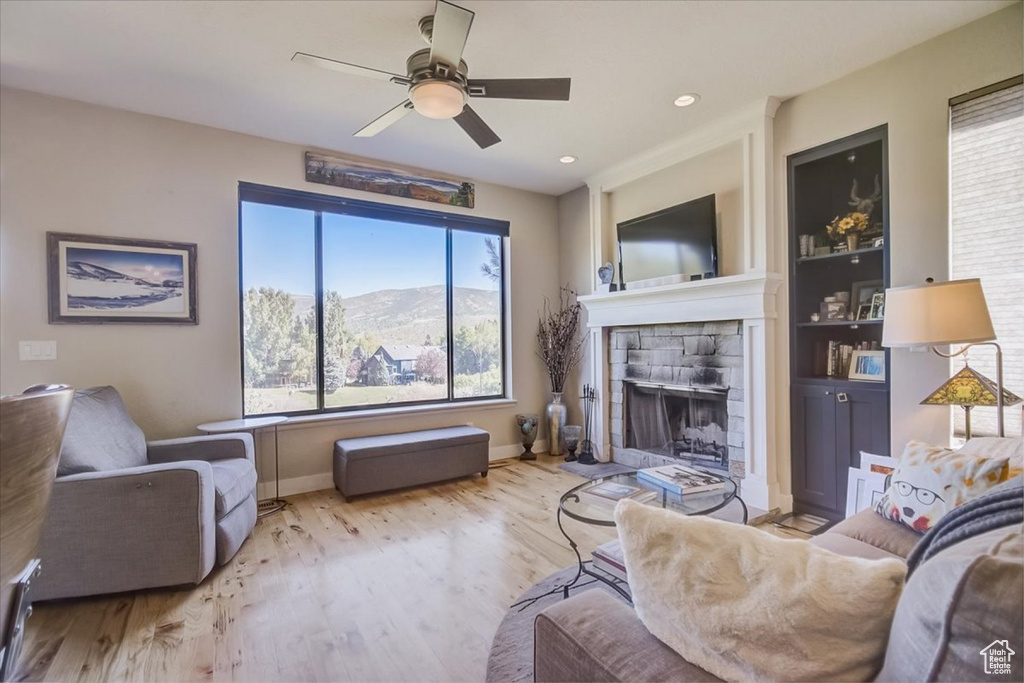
column 610, row 493
column 681, row 479
column 609, row 559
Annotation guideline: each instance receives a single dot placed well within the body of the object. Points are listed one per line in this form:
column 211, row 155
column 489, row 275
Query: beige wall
column 72, row 167
column 718, row 172
column 575, row 270
column 910, row 93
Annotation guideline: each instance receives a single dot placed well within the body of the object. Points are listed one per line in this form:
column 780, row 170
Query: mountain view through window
column 387, row 326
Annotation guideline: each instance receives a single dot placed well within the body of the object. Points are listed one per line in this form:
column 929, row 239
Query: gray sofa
column 954, row 604
column 126, row 514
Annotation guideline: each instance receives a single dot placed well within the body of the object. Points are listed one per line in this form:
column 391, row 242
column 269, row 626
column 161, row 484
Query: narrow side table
column 252, row 425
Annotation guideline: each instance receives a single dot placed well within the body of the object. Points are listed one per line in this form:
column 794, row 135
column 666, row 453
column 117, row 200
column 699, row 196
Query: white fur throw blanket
column 746, row 605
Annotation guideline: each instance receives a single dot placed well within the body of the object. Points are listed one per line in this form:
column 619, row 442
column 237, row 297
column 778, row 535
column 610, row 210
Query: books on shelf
column 610, row 492
column 609, row 559
column 832, row 358
column 681, row 479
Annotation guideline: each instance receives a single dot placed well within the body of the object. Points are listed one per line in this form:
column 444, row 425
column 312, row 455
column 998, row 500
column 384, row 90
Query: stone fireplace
column 677, row 392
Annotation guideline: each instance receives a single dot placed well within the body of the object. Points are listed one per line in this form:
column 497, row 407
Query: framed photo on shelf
column 864, row 312
column 94, row 279
column 861, row 293
column 863, row 490
column 878, row 306
column 867, row 366
column 833, row 310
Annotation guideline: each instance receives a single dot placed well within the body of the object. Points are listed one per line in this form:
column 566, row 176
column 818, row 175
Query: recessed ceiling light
column 567, row 159
column 687, row 99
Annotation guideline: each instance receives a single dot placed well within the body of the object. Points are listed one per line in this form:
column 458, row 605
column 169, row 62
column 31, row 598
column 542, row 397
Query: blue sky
column 360, row 255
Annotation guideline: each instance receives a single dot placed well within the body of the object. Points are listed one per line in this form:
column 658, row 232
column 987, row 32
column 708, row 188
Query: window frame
column 320, row 204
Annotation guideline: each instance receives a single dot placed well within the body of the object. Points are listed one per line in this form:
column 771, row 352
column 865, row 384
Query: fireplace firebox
column 678, row 421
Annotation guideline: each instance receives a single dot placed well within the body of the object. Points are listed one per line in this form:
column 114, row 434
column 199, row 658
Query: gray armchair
column 126, row 514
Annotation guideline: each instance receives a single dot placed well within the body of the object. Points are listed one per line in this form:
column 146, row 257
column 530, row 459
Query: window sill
column 304, row 421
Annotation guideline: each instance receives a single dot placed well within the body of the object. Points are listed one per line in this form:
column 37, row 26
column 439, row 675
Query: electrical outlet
column 37, row 350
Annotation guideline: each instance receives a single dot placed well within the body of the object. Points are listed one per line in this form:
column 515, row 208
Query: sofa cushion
column 851, row 547
column 234, row 480
column 873, row 529
column 739, row 602
column 234, row 527
column 100, row 434
column 593, row 636
column 956, row 604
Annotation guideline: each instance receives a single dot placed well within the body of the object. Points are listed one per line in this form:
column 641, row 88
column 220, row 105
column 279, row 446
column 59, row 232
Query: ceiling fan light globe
column 438, row 99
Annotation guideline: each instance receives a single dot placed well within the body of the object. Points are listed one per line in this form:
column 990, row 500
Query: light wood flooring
column 405, row 586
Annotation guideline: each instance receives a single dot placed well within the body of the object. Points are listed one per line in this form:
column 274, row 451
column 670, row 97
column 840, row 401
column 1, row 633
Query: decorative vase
column 557, row 415
column 571, row 434
column 852, row 241
column 528, row 433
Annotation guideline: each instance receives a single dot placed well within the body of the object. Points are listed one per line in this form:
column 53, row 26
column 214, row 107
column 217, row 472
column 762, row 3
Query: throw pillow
column 745, row 605
column 929, row 481
column 1011, row 448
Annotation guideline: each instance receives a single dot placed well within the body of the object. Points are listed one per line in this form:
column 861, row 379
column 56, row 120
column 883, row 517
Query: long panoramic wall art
column 356, row 175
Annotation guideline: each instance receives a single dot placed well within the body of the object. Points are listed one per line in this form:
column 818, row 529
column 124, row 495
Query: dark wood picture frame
column 54, row 241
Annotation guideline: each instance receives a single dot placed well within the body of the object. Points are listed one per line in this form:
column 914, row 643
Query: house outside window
column 349, row 305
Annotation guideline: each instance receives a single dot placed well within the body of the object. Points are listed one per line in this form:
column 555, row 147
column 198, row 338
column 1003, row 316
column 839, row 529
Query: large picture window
column 350, row 305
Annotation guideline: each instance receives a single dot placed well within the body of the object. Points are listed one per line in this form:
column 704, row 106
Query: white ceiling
column 226, row 64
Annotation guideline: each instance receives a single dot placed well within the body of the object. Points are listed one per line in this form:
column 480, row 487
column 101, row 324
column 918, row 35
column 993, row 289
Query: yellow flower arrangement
column 850, row 223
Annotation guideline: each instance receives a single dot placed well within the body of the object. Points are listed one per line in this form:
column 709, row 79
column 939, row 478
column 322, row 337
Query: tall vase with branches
column 560, row 345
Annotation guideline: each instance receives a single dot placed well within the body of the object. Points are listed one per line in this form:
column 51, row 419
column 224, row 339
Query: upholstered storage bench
column 370, row 464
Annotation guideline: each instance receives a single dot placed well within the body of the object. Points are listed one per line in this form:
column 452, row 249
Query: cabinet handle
column 843, row 398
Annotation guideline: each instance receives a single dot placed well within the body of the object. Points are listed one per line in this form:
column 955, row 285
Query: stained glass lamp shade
column 969, row 388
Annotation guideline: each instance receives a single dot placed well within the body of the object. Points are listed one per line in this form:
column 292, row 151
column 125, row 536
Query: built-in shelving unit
column 833, row 417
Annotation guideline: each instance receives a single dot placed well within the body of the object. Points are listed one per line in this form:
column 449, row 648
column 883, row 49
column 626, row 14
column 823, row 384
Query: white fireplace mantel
column 749, row 296
column 734, row 297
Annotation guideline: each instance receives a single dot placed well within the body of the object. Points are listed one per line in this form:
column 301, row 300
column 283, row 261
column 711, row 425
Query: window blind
column 987, row 226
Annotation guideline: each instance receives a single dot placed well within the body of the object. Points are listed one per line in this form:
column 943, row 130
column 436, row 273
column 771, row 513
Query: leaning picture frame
column 863, row 490
column 94, row 279
column 867, row 366
column 880, row 464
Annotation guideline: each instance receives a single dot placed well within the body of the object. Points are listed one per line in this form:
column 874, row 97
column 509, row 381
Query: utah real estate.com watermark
column 997, row 657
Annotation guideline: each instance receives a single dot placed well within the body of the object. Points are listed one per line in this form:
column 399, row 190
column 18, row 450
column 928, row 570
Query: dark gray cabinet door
column 862, row 424
column 815, row 475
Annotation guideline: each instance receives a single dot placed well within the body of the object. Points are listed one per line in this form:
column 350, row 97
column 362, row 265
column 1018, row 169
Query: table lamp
column 969, row 388
column 936, row 314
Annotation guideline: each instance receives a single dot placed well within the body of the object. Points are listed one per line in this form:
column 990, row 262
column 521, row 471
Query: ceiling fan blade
column 521, row 88
column 384, row 120
column 449, row 33
column 481, row 133
column 346, row 68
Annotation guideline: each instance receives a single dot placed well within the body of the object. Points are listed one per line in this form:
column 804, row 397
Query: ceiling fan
column 438, row 79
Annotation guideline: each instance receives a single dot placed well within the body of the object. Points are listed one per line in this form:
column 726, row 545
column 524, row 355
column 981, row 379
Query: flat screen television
column 680, row 240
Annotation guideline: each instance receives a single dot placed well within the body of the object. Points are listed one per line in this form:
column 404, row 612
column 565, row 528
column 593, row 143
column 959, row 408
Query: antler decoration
column 866, row 205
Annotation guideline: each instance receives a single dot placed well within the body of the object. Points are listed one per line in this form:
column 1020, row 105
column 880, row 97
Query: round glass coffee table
column 575, row 504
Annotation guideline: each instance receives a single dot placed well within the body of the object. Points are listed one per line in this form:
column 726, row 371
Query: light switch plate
column 37, row 350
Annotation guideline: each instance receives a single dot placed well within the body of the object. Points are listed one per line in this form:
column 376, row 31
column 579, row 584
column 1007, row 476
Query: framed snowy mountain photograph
column 96, row 279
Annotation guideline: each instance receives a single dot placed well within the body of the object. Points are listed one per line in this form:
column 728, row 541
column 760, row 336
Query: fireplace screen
column 683, row 422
